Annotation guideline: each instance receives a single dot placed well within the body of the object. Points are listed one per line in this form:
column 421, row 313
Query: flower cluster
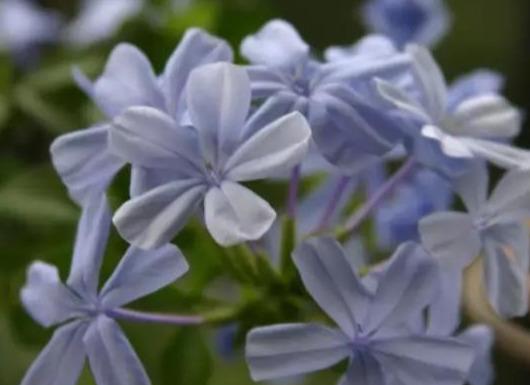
column 195, row 134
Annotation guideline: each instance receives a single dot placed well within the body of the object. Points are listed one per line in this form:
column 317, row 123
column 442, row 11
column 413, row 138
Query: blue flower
column 495, row 227
column 100, row 19
column 446, row 130
column 348, row 132
column 203, row 163
column 373, row 334
column 82, row 158
column 24, row 25
column 408, row 21
column 86, row 315
column 397, row 218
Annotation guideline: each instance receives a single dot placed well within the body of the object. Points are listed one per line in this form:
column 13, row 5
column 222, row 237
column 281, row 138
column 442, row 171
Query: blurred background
column 39, row 101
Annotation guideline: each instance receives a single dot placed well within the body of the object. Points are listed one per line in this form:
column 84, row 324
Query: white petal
column 235, row 214
column 272, row 150
column 451, row 146
column 284, row 350
column 154, row 218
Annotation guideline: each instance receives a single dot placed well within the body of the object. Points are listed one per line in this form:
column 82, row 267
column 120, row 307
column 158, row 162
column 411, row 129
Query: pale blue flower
column 443, row 133
column 24, row 25
column 85, row 314
column 373, row 332
column 99, row 20
column 82, row 158
column 203, row 165
column 495, row 227
column 347, row 130
column 408, row 21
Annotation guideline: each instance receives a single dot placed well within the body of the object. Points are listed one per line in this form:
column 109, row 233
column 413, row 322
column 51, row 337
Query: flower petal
column 330, row 279
column 410, row 283
column 506, row 269
column 445, row 310
column 510, row 200
column 431, row 79
column 272, row 150
column 90, row 244
column 473, row 187
column 111, row 356
column 481, row 338
column 401, row 100
column 421, row 360
column 290, row 349
column 154, row 218
column 45, row 298
column 265, row 82
column 145, row 136
column 141, row 273
column 84, row 162
column 477, row 83
column 62, row 360
column 128, row 80
column 218, row 98
column 277, row 44
column 487, row 116
column 452, row 146
column 451, row 237
column 235, row 214
column 500, row 154
column 364, row 369
column 196, row 48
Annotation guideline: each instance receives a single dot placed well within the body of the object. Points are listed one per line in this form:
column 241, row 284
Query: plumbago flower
column 347, row 130
column 24, row 25
column 450, row 132
column 87, row 316
column 373, row 334
column 204, row 163
column 99, row 19
column 495, row 227
column 82, row 158
column 408, row 21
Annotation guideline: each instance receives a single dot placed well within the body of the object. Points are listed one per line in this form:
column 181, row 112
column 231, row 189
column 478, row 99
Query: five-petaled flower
column 86, row 315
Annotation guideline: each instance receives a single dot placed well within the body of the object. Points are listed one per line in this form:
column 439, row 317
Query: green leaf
column 187, row 361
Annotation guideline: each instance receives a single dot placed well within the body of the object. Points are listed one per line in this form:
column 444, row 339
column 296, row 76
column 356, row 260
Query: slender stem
column 333, row 203
column 388, row 187
column 292, row 199
column 143, row 317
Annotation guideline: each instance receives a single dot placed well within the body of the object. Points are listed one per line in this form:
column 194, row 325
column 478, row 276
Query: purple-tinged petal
column 91, row 240
column 277, row 44
column 421, row 360
column 510, row 200
column 506, row 269
column 45, row 297
column 62, row 360
column 272, row 150
column 147, row 137
column 431, row 79
column 291, row 349
column 452, row 237
column 500, row 154
column 330, row 279
column 128, row 80
column 196, row 48
column 408, row 286
column 486, row 116
column 234, row 214
column 444, row 311
column 112, row 358
column 474, row 84
column 364, row 369
column 473, row 186
column 370, row 46
column 218, row 98
column 141, row 273
column 266, row 82
column 481, row 338
column 84, row 162
column 154, row 218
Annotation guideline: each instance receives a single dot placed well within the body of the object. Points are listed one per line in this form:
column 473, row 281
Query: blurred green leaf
column 187, row 361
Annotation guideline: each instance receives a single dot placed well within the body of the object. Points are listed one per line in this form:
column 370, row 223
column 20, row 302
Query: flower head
column 373, row 333
column 495, row 227
column 408, row 21
column 447, row 129
column 203, row 162
column 82, row 158
column 85, row 314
